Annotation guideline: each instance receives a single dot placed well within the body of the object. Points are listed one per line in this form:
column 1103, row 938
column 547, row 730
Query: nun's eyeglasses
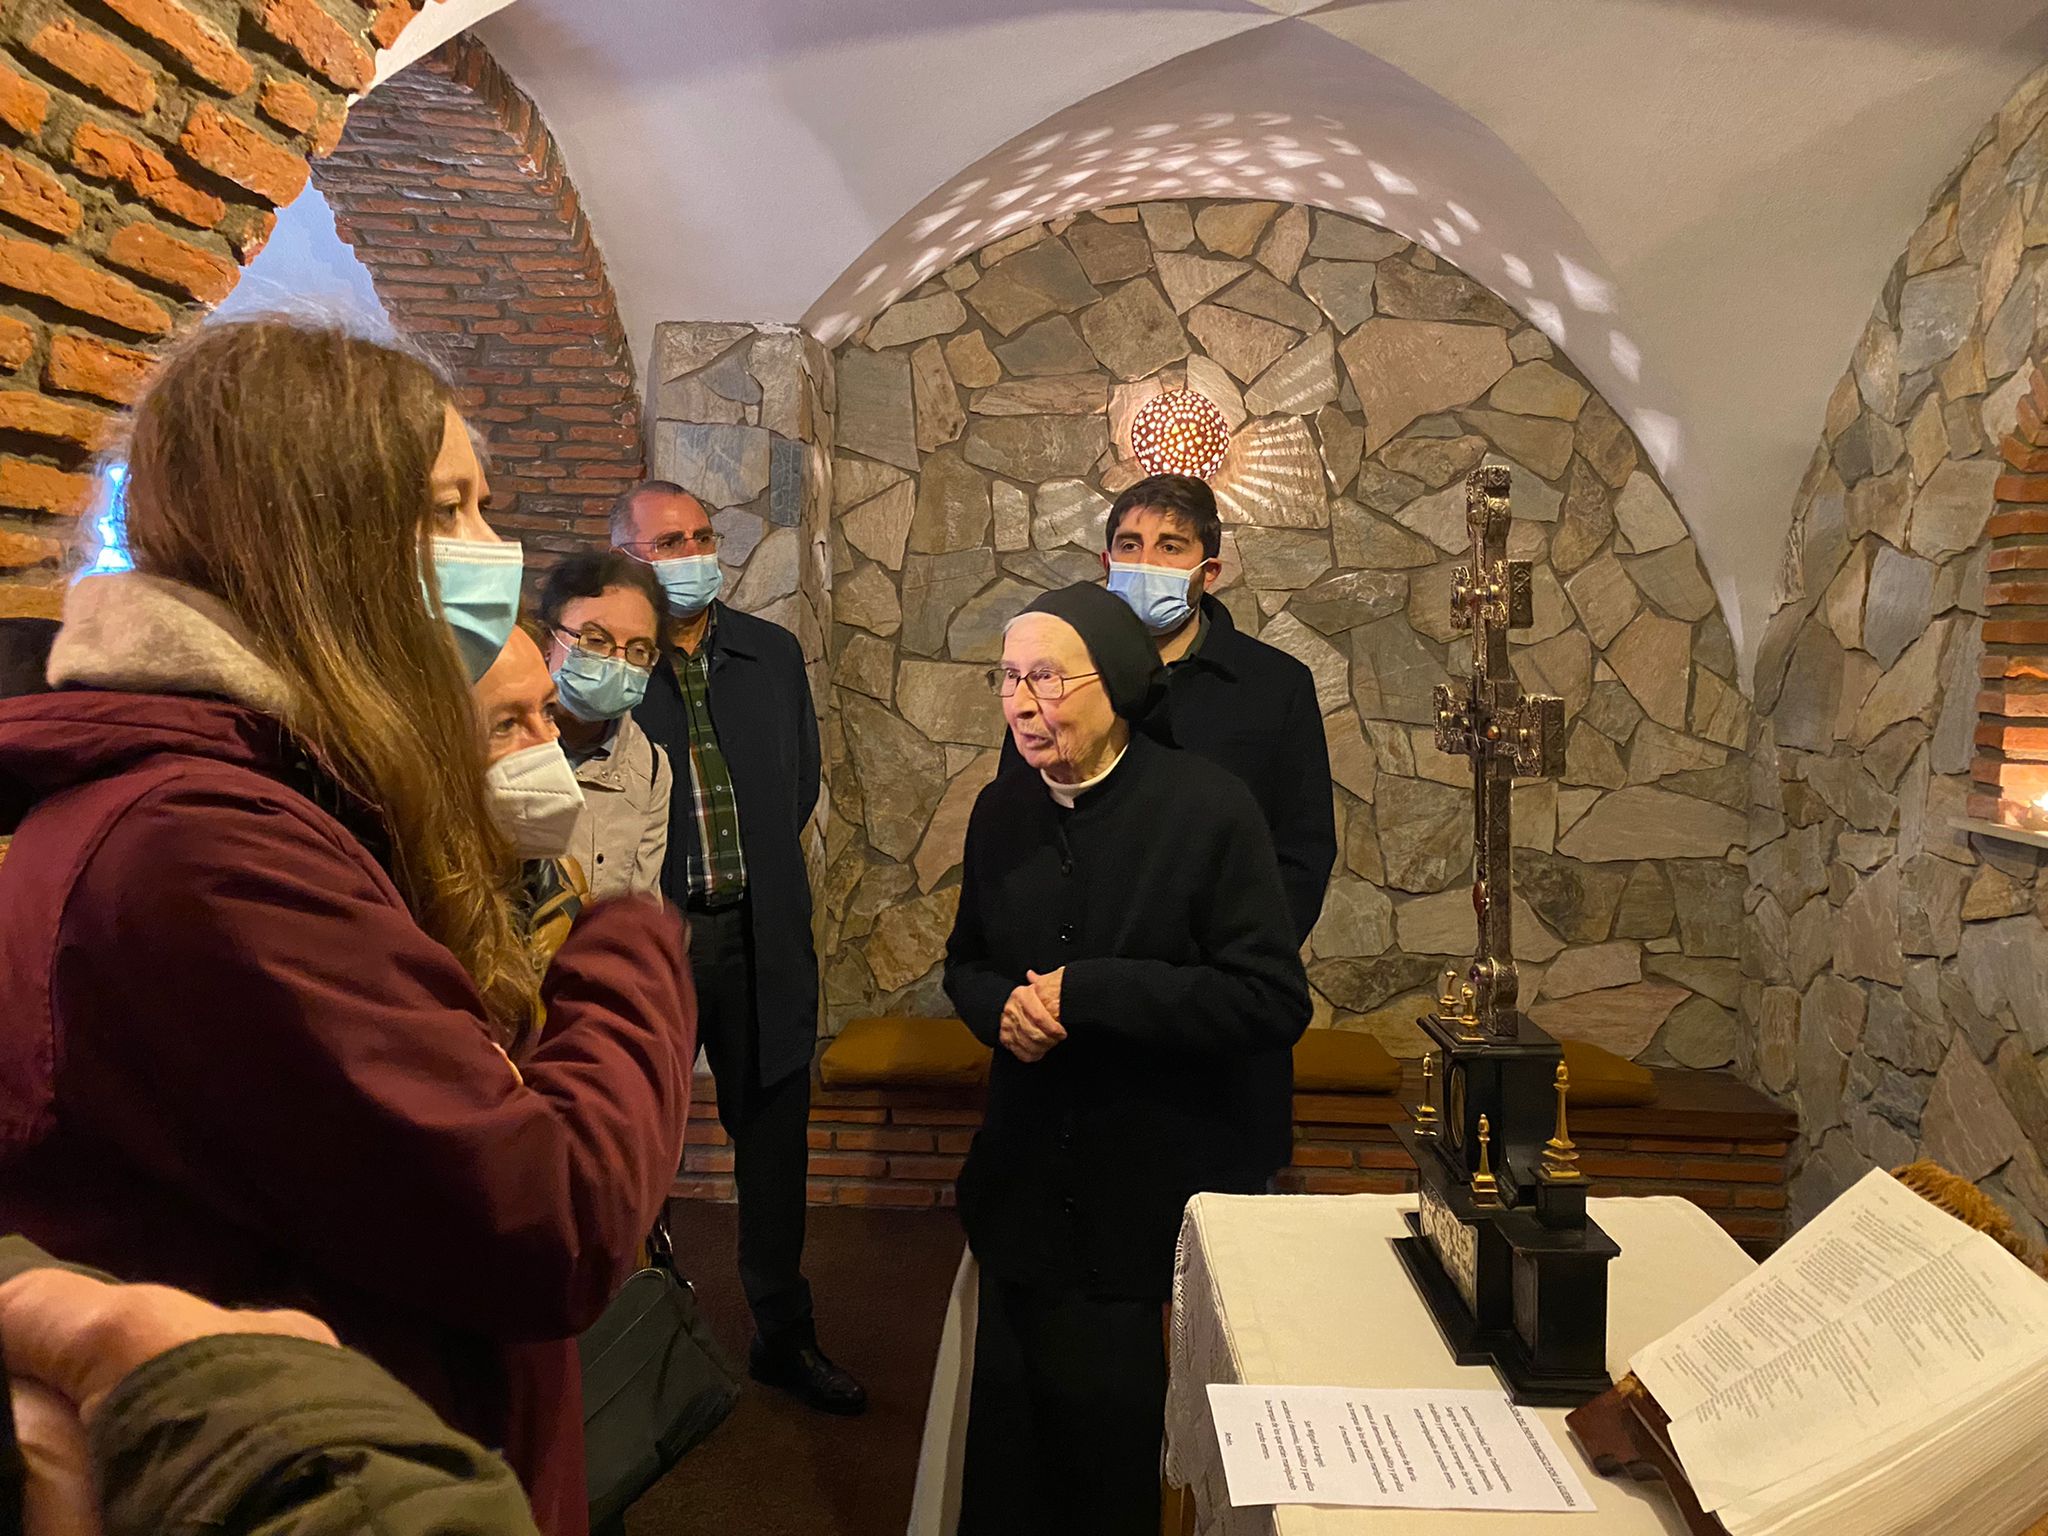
column 1043, row 683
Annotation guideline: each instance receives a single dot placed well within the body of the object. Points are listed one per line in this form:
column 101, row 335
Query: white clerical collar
column 1067, row 794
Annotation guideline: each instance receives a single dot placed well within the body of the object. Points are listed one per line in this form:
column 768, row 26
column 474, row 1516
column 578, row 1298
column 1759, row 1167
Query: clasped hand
column 1031, row 1018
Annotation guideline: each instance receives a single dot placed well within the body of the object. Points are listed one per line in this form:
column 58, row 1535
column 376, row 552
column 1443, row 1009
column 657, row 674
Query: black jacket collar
column 733, row 633
column 730, row 633
column 1222, row 646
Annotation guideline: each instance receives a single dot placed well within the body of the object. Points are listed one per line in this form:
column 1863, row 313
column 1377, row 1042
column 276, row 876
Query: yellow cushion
column 923, row 1053
column 1601, row 1079
column 1343, row 1061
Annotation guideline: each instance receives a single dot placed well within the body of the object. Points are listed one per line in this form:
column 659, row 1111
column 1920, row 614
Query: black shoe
column 802, row 1370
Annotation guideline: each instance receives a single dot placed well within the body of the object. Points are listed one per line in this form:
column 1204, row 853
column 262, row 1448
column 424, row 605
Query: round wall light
column 1181, row 433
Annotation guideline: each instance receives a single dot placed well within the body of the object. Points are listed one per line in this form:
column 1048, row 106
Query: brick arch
column 2010, row 771
column 452, row 192
column 144, row 148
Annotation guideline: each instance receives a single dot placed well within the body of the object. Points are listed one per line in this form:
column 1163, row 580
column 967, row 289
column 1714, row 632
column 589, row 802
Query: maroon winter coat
column 231, row 1061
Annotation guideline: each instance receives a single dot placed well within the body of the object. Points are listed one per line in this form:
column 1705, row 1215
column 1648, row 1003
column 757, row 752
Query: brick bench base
column 1708, row 1137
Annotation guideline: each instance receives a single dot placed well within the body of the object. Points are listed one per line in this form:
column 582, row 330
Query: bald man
column 731, row 704
column 515, row 709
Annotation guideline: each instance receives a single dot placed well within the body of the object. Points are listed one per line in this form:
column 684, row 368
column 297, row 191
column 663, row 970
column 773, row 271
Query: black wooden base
column 1462, row 1336
column 1545, row 1389
column 1502, row 1348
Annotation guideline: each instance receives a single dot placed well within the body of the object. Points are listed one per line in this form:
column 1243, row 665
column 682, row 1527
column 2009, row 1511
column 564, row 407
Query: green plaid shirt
column 718, row 869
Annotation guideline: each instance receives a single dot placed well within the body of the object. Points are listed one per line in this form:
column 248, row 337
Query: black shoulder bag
column 655, row 1382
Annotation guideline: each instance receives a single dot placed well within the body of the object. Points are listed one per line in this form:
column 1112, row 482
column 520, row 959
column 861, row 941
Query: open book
column 1886, row 1371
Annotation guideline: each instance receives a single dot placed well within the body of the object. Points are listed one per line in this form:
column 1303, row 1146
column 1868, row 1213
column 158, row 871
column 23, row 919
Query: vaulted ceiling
column 1698, row 198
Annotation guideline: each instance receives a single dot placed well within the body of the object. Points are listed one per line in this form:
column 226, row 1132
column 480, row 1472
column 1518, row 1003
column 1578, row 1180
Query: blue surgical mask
column 1157, row 594
column 691, row 582
column 480, row 595
column 597, row 688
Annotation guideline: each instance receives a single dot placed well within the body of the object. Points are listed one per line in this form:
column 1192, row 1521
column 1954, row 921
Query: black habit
column 1159, row 894
column 1250, row 707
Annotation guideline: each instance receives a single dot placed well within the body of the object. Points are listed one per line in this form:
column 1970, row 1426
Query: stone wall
column 143, row 147
column 983, row 427
column 1896, row 968
column 743, row 416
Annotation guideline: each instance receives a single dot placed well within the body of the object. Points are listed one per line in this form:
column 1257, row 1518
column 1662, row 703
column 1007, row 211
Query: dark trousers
column 1065, row 1415
column 767, row 1123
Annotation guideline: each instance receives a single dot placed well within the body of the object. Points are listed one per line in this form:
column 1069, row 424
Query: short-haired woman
column 601, row 617
column 259, row 973
column 1124, row 942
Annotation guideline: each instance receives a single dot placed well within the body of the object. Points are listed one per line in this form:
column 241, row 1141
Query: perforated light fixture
column 1181, row 433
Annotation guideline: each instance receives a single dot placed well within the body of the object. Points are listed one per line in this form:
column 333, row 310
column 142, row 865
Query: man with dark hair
column 1230, row 698
column 1158, row 571
column 592, row 573
column 730, row 703
column 1246, row 706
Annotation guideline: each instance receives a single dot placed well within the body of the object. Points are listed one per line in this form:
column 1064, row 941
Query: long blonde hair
column 284, row 468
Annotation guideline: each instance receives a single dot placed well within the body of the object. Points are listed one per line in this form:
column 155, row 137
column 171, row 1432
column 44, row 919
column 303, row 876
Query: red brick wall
column 1708, row 1139
column 2010, row 774
column 453, row 194
column 1741, row 1183
column 143, row 147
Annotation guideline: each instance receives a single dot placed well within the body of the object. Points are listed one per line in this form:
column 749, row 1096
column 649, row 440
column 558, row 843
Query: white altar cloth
column 1304, row 1290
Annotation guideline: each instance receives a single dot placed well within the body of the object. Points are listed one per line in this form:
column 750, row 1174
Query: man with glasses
column 601, row 617
column 730, row 703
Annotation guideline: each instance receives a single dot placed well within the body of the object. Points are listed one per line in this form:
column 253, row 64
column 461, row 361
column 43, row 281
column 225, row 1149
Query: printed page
column 1977, row 1469
column 1393, row 1449
column 1874, row 1320
column 1873, row 1235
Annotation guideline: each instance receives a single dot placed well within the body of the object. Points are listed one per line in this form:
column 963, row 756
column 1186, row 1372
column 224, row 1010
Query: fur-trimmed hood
column 144, row 634
column 142, row 667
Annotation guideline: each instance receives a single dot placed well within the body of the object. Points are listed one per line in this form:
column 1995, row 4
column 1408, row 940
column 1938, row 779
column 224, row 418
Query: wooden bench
column 1708, row 1137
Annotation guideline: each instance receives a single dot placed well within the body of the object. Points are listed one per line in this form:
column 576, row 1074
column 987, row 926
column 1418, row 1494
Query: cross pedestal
column 1500, row 1246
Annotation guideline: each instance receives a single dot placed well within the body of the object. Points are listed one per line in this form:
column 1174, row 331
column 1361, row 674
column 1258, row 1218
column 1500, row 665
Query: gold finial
column 1425, row 1112
column 1560, row 1157
column 1485, row 1188
column 1447, row 995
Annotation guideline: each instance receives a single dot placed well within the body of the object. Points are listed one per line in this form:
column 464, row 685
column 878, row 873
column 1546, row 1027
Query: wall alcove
column 982, row 429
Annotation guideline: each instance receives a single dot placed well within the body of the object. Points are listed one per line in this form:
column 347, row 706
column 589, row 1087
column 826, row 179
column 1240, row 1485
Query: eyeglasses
column 674, row 545
column 1042, row 683
column 593, row 641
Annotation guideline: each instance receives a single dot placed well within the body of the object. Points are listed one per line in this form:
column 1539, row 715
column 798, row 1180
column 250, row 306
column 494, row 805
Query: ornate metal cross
column 1506, row 733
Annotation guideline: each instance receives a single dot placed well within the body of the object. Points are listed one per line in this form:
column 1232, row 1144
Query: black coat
column 768, row 731
column 1159, row 894
column 1250, row 707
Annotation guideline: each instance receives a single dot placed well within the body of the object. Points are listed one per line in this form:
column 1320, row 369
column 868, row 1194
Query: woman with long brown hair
column 261, row 990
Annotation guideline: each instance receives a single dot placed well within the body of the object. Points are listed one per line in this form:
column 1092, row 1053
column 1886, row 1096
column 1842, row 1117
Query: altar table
column 1304, row 1290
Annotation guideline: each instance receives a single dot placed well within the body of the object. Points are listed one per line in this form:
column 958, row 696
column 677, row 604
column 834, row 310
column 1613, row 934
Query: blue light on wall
column 110, row 523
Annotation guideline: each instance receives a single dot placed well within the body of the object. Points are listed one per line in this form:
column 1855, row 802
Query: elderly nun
column 1124, row 943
